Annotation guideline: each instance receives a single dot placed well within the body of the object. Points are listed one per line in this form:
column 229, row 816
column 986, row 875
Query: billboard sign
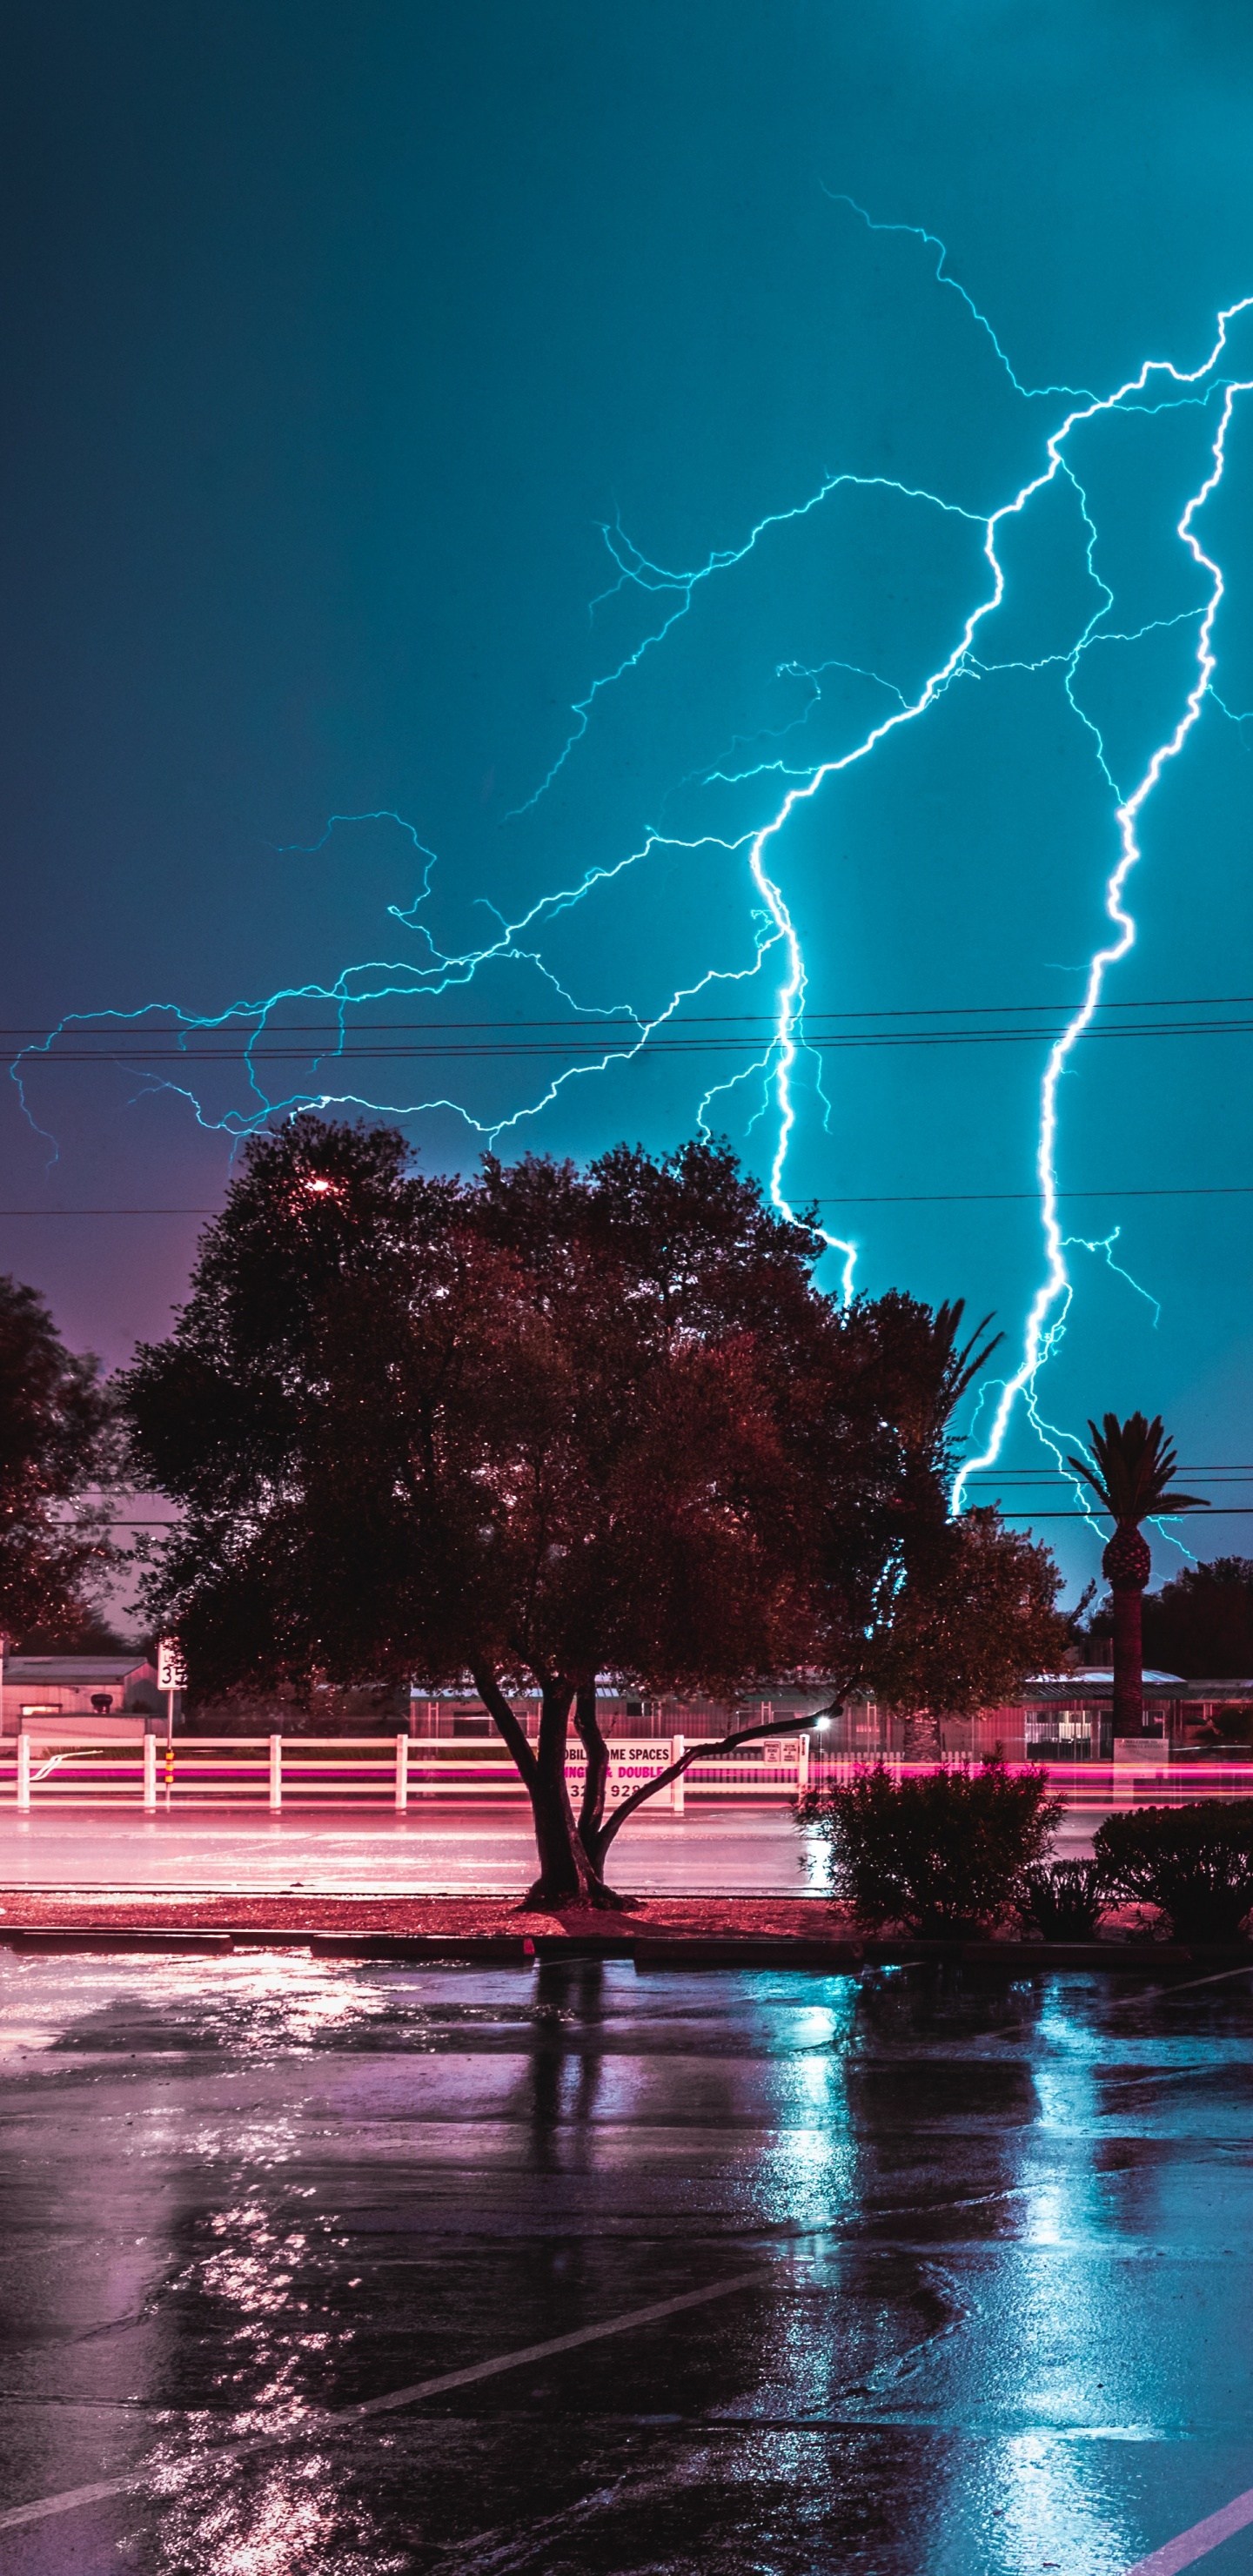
column 631, row 1766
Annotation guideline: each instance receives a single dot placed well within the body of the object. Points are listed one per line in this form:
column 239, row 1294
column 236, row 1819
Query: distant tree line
column 57, row 1443
column 1200, row 1624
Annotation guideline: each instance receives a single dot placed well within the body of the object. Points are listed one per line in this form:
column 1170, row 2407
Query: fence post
column 402, row 1774
column 677, row 1750
column 23, row 1770
column 276, row 1773
column 150, row 1774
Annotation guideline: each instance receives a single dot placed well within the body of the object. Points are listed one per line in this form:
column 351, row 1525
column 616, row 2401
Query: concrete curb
column 648, row 1951
column 77, row 1938
column 756, row 1950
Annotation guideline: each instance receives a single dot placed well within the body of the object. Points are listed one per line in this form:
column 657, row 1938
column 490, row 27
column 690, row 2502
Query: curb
column 760, row 1950
column 794, row 1952
column 82, row 1938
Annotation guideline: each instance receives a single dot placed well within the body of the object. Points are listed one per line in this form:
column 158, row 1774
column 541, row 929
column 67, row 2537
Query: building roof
column 74, row 1672
column 1105, row 1673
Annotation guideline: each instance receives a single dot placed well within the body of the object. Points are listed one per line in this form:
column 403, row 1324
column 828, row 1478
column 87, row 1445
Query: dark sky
column 334, row 340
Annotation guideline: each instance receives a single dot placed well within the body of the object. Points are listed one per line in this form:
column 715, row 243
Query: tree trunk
column 1127, row 1565
column 592, row 1811
column 566, row 1875
column 1128, row 1660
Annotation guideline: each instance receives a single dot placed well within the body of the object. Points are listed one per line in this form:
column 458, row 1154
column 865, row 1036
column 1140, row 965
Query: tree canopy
column 53, row 1416
column 1200, row 1623
column 548, row 1424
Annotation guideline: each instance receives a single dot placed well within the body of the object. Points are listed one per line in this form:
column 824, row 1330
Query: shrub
column 1195, row 1862
column 939, row 1853
column 1063, row 1898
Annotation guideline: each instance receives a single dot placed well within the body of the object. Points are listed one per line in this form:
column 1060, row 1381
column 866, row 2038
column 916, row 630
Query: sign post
column 171, row 1677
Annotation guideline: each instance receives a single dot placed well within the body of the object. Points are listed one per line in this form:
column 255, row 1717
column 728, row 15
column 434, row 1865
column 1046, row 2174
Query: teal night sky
column 556, row 434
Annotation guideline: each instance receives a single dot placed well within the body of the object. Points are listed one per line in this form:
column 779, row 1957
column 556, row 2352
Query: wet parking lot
column 312, row 2266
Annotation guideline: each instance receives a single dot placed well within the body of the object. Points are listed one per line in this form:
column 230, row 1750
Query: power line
column 435, row 1047
column 952, row 1198
column 1053, row 1474
column 830, row 1198
column 112, row 1211
column 695, row 1019
column 1220, row 1512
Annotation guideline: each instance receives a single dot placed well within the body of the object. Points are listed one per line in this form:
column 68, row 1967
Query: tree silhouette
column 548, row 1424
column 1132, row 1481
column 1201, row 1622
column 53, row 1418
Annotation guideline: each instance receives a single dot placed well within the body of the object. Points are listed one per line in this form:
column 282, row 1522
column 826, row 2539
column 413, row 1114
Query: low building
column 1056, row 1717
column 75, row 1686
column 462, row 1713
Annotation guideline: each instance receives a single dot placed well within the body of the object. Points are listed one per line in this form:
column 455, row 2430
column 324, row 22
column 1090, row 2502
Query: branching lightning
column 1052, row 1299
column 774, row 953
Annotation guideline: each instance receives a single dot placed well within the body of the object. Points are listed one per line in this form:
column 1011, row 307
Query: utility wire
column 695, row 1019
column 633, row 1044
column 830, row 1198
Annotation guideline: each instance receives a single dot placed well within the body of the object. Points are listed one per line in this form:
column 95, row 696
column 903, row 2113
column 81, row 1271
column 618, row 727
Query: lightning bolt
column 1052, row 1298
column 774, row 941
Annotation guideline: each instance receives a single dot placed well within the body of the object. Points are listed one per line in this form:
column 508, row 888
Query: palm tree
column 1132, row 1482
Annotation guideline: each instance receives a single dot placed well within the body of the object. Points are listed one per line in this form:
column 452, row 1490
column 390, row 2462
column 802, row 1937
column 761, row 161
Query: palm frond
column 1135, row 1462
column 961, row 1367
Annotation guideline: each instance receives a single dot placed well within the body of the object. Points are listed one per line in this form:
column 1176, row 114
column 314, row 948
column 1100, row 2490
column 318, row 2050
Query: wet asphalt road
column 997, row 2238
column 719, row 1850
column 481, row 1849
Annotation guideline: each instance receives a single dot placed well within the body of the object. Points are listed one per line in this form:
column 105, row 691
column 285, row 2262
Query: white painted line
column 310, row 2427
column 1197, row 2543
column 66, row 2502
column 541, row 2351
column 1147, row 1993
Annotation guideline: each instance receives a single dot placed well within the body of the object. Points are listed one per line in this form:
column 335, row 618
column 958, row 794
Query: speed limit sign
column 171, row 1670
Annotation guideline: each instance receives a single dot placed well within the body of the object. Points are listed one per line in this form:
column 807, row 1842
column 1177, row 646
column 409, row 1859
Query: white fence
column 274, row 1773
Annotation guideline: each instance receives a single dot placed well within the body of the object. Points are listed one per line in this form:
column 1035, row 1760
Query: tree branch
column 587, row 1723
column 702, row 1753
column 497, row 1706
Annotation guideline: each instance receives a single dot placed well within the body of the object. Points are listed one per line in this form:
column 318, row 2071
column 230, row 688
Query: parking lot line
column 1197, row 2543
column 328, row 2420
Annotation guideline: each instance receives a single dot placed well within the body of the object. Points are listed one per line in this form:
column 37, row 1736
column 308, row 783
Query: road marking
column 541, row 2351
column 310, row 2427
column 1197, row 2543
column 1147, row 1993
column 66, row 2502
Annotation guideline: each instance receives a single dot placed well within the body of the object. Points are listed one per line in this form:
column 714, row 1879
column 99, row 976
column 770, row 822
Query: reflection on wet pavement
column 997, row 2235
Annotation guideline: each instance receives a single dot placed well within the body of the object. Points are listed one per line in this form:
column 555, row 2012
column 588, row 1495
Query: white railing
column 276, row 1773
column 279, row 1772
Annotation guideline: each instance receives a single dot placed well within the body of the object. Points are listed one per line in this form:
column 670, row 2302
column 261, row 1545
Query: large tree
column 537, row 1427
column 53, row 1425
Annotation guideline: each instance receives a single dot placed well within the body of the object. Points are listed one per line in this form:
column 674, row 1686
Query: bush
column 1195, row 1862
column 1063, row 1898
column 940, row 1853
